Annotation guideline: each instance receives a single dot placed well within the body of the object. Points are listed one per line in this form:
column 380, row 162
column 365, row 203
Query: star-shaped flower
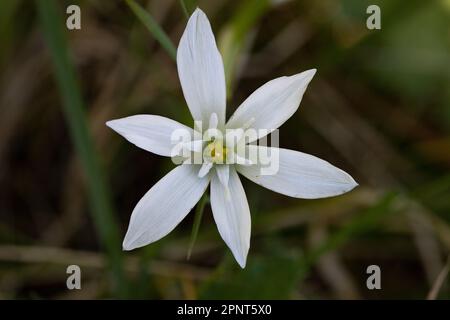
column 202, row 78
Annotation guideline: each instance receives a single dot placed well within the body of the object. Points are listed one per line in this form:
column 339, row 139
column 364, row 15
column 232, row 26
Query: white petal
column 164, row 206
column 223, row 173
column 300, row 175
column 272, row 104
column 213, row 121
column 204, row 169
column 232, row 215
column 149, row 132
column 200, row 69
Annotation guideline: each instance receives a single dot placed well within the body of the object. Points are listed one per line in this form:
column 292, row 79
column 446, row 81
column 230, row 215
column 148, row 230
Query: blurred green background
column 378, row 107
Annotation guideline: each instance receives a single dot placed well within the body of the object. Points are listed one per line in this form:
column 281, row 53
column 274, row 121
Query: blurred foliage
column 102, row 211
column 228, row 282
column 379, row 107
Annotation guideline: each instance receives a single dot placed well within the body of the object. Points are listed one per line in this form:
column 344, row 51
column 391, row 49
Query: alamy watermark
column 74, row 279
column 73, row 21
column 374, row 280
column 374, row 20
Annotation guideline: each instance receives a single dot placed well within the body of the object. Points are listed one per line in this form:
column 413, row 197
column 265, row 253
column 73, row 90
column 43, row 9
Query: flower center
column 215, row 152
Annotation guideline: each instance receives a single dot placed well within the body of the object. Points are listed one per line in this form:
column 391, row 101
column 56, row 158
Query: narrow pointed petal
column 272, row 104
column 213, row 121
column 300, row 175
column 200, row 69
column 149, row 132
column 232, row 215
column 164, row 206
column 204, row 169
column 223, row 173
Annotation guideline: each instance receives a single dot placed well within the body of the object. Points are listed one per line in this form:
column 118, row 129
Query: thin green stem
column 197, row 220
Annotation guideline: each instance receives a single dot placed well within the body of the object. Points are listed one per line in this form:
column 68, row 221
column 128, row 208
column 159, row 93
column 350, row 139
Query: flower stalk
column 197, row 221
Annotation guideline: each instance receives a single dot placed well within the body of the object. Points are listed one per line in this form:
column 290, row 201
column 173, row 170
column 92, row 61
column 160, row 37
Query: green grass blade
column 184, row 8
column 188, row 6
column 154, row 28
column 53, row 28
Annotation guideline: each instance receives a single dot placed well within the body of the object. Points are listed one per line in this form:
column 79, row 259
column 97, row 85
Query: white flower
column 202, row 78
